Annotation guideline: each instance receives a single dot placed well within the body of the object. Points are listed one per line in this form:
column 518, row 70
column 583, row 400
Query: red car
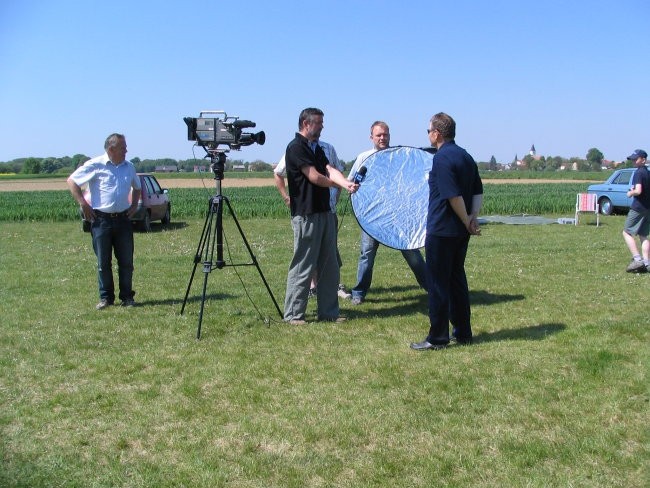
column 154, row 204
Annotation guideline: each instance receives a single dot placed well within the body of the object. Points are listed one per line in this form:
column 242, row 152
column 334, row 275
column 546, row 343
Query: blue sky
column 565, row 76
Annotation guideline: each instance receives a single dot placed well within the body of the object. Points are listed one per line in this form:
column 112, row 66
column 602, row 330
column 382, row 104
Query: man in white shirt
column 111, row 180
column 380, row 137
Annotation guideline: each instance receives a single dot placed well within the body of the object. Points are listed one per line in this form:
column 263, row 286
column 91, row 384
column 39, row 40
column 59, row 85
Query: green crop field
column 553, row 393
column 255, row 202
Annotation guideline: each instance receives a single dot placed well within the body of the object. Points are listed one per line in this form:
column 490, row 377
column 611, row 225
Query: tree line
column 593, row 161
column 66, row 165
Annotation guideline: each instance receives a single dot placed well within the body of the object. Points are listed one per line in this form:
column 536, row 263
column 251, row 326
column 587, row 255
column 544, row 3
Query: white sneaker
column 343, row 294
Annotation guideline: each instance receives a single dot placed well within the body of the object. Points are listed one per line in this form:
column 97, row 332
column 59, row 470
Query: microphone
column 360, row 175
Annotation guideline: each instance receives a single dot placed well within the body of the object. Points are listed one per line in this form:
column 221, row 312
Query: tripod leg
column 253, row 258
column 216, row 210
column 205, row 251
column 199, row 251
column 205, row 285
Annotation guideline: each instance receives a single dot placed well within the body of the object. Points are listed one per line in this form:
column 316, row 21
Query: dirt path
column 60, row 184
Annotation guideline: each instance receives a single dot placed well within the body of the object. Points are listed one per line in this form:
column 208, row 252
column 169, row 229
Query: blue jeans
column 369, row 248
column 113, row 234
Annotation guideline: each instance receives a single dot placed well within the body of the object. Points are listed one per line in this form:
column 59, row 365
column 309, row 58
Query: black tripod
column 213, row 234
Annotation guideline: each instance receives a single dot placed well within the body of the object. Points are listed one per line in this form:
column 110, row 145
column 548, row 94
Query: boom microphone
column 360, row 175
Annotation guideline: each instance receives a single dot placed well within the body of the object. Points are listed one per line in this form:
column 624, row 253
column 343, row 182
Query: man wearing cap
column 638, row 218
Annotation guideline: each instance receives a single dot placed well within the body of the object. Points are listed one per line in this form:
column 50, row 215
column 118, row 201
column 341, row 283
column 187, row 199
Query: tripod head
column 217, row 162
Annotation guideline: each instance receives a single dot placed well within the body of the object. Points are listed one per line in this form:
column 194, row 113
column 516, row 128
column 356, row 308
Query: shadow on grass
column 157, row 227
column 192, row 298
column 530, row 333
column 417, row 302
column 480, row 297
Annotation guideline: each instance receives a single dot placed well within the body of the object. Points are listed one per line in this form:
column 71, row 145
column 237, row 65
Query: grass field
column 553, row 393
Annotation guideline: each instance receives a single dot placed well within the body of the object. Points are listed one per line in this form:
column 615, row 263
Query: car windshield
column 623, row 178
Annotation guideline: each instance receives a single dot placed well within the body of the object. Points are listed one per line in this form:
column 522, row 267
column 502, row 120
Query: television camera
column 214, row 128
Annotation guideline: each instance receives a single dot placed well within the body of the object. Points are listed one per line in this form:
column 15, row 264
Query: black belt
column 113, row 215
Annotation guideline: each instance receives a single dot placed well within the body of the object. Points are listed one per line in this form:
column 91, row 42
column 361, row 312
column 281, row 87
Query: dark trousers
column 448, row 290
column 113, row 234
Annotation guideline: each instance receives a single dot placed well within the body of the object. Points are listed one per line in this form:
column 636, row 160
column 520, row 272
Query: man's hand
column 352, row 187
column 130, row 212
column 473, row 227
column 135, row 198
column 87, row 211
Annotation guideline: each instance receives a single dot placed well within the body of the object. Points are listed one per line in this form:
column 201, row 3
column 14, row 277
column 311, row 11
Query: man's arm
column 135, row 197
column 338, row 164
column 469, row 220
column 78, row 195
column 336, row 178
column 635, row 191
column 279, row 172
column 355, row 166
column 341, row 181
column 282, row 187
column 477, row 203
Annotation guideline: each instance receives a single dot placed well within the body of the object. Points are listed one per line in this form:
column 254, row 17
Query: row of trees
column 593, row 161
column 65, row 165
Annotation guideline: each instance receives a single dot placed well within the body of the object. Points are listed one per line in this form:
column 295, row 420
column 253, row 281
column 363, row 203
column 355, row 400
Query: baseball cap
column 638, row 153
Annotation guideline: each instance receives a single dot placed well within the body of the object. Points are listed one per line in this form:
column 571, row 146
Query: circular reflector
column 392, row 200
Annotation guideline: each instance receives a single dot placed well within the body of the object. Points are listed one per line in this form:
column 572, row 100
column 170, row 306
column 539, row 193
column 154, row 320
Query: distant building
column 520, row 163
column 607, row 164
column 166, row 169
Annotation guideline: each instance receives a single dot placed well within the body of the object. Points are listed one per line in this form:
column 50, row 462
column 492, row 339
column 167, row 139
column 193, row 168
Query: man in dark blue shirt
column 455, row 199
column 638, row 218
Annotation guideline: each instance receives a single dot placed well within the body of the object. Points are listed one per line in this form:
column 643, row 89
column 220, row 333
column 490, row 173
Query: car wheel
column 145, row 225
column 606, row 207
column 167, row 218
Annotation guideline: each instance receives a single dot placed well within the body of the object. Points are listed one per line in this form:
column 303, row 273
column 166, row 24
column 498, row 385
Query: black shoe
column 636, row 267
column 425, row 345
column 461, row 342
